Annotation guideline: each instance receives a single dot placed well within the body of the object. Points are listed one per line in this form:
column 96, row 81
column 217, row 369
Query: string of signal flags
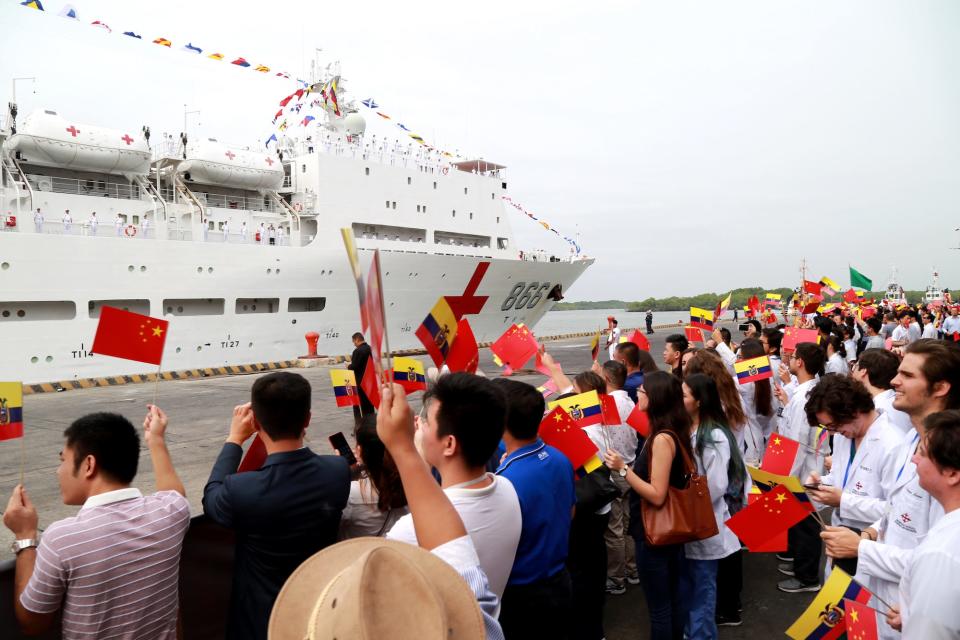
column 70, row 12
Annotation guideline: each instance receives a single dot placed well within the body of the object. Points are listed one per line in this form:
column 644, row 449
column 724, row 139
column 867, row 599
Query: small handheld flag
column 767, row 481
column 828, row 287
column 693, row 334
column 609, row 411
column 701, row 318
column 753, row 369
column 255, row 456
column 560, row 431
column 463, row 354
column 438, row 331
column 11, row 410
column 584, row 408
column 344, row 387
column 376, row 317
column 640, row 340
column 773, row 513
column 354, row 259
column 370, row 383
column 408, row 373
column 780, row 455
column 515, row 347
column 792, row 336
column 861, row 620
column 826, row 616
column 595, row 346
column 777, row 543
column 772, row 299
column 123, row 334
column 640, row 421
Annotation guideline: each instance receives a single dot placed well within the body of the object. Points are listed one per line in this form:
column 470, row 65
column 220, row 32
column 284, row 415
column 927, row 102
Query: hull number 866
column 525, row 296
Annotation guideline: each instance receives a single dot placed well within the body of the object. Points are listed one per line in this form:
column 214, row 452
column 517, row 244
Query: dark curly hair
column 842, row 397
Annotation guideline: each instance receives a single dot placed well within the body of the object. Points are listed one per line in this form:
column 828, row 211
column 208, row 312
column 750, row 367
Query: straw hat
column 372, row 588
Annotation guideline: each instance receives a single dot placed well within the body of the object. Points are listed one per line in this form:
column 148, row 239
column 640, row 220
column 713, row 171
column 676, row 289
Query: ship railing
column 249, row 203
column 93, row 188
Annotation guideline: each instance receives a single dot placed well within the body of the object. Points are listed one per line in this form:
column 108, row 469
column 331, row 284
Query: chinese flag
column 370, row 383
column 609, row 411
column 693, row 334
column 792, row 336
column 861, row 620
column 254, row 457
column 639, row 421
column 812, row 287
column 850, row 295
column 777, row 543
column 131, row 336
column 515, row 347
column 773, row 513
column 780, row 455
column 463, row 354
column 559, row 430
column 640, row 340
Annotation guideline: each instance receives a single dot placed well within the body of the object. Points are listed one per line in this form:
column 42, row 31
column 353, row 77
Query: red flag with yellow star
column 861, row 620
column 560, row 431
column 515, row 347
column 131, row 336
column 780, row 455
column 774, row 512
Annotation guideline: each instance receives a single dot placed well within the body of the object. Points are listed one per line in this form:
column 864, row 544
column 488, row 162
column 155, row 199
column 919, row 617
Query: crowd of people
column 460, row 521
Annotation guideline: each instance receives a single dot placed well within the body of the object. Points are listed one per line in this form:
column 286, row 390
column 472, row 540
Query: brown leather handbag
column 686, row 514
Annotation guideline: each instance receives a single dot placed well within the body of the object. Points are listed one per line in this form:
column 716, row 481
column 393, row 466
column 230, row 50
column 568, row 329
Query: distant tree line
column 738, row 300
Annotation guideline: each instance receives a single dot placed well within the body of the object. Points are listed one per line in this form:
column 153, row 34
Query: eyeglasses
column 832, row 427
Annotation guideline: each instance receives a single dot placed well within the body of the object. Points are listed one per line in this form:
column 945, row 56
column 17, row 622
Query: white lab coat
column 930, row 590
column 869, row 476
column 713, row 465
column 836, row 364
column 883, row 402
column 910, row 513
column 758, row 427
column 794, row 425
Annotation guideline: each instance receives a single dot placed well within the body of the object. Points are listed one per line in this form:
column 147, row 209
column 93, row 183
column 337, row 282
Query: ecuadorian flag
column 11, row 410
column 584, row 408
column 438, row 330
column 344, row 387
column 772, row 299
column 753, row 369
column 701, row 319
column 825, row 619
column 408, row 373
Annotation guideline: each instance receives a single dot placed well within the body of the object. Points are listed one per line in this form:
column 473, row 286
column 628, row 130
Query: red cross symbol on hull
column 469, row 304
column 230, row 154
column 126, row 138
column 270, row 161
column 73, row 131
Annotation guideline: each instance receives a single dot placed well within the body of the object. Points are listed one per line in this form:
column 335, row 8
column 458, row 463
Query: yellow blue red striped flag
column 11, row 410
column 753, row 369
column 584, row 408
column 825, row 619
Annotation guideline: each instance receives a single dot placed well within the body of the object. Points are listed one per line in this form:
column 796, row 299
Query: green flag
column 860, row 281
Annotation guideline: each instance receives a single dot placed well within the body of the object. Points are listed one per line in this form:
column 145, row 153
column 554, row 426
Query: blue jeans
column 659, row 570
column 699, row 593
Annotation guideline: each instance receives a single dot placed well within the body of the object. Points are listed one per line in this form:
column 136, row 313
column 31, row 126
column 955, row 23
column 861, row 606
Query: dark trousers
column 659, row 569
column 729, row 585
column 587, row 563
column 539, row 609
column 803, row 541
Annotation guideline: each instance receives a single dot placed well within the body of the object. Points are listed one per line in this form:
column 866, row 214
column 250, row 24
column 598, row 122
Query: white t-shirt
column 902, row 334
column 491, row 515
column 930, row 331
column 361, row 517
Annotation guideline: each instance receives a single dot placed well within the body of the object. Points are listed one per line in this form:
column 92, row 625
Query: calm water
column 558, row 322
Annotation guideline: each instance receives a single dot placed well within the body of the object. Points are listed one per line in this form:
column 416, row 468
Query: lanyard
column 464, row 485
column 916, row 436
column 853, row 454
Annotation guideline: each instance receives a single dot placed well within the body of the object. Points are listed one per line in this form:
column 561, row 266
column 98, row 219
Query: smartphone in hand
column 339, row 442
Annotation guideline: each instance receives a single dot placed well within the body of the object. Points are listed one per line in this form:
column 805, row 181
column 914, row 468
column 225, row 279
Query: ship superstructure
column 894, row 295
column 240, row 247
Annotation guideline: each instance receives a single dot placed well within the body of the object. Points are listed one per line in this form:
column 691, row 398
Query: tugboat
column 934, row 294
column 895, row 295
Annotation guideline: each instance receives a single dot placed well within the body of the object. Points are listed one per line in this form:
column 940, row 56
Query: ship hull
column 208, row 291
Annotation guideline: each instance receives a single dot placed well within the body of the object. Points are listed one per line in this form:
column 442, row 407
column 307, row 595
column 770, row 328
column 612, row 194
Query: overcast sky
column 696, row 146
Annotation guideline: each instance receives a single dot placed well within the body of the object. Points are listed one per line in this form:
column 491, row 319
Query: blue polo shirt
column 543, row 479
column 633, row 382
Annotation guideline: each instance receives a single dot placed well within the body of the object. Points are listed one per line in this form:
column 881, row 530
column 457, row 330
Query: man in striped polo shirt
column 113, row 567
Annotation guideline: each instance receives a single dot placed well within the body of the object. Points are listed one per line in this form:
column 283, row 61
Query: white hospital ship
column 240, row 248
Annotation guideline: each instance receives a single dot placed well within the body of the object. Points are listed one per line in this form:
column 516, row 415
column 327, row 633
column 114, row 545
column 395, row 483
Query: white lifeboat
column 47, row 139
column 210, row 162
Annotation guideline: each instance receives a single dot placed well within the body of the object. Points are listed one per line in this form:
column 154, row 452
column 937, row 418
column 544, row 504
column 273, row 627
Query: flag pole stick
column 383, row 309
column 156, row 385
column 23, row 454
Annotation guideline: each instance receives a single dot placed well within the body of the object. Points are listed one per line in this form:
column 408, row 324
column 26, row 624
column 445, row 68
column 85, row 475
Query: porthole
column 209, row 269
column 250, row 345
column 5, row 266
column 294, row 321
column 142, row 268
column 34, row 360
column 179, row 309
column 21, row 313
column 269, row 271
column 48, row 359
column 130, row 268
column 6, row 314
column 277, row 272
column 199, row 269
column 199, row 347
column 178, row 349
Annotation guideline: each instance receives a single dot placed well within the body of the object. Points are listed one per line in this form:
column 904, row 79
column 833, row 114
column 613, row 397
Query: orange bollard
column 312, row 338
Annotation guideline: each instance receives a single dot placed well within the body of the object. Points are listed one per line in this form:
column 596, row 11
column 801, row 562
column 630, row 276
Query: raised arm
column 154, row 432
column 559, row 378
column 434, row 519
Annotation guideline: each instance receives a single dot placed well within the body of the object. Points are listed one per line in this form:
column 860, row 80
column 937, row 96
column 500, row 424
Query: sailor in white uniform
column 38, row 221
column 145, row 227
column 226, row 230
column 243, row 232
column 280, row 235
column 67, row 221
column 118, row 225
column 92, row 223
